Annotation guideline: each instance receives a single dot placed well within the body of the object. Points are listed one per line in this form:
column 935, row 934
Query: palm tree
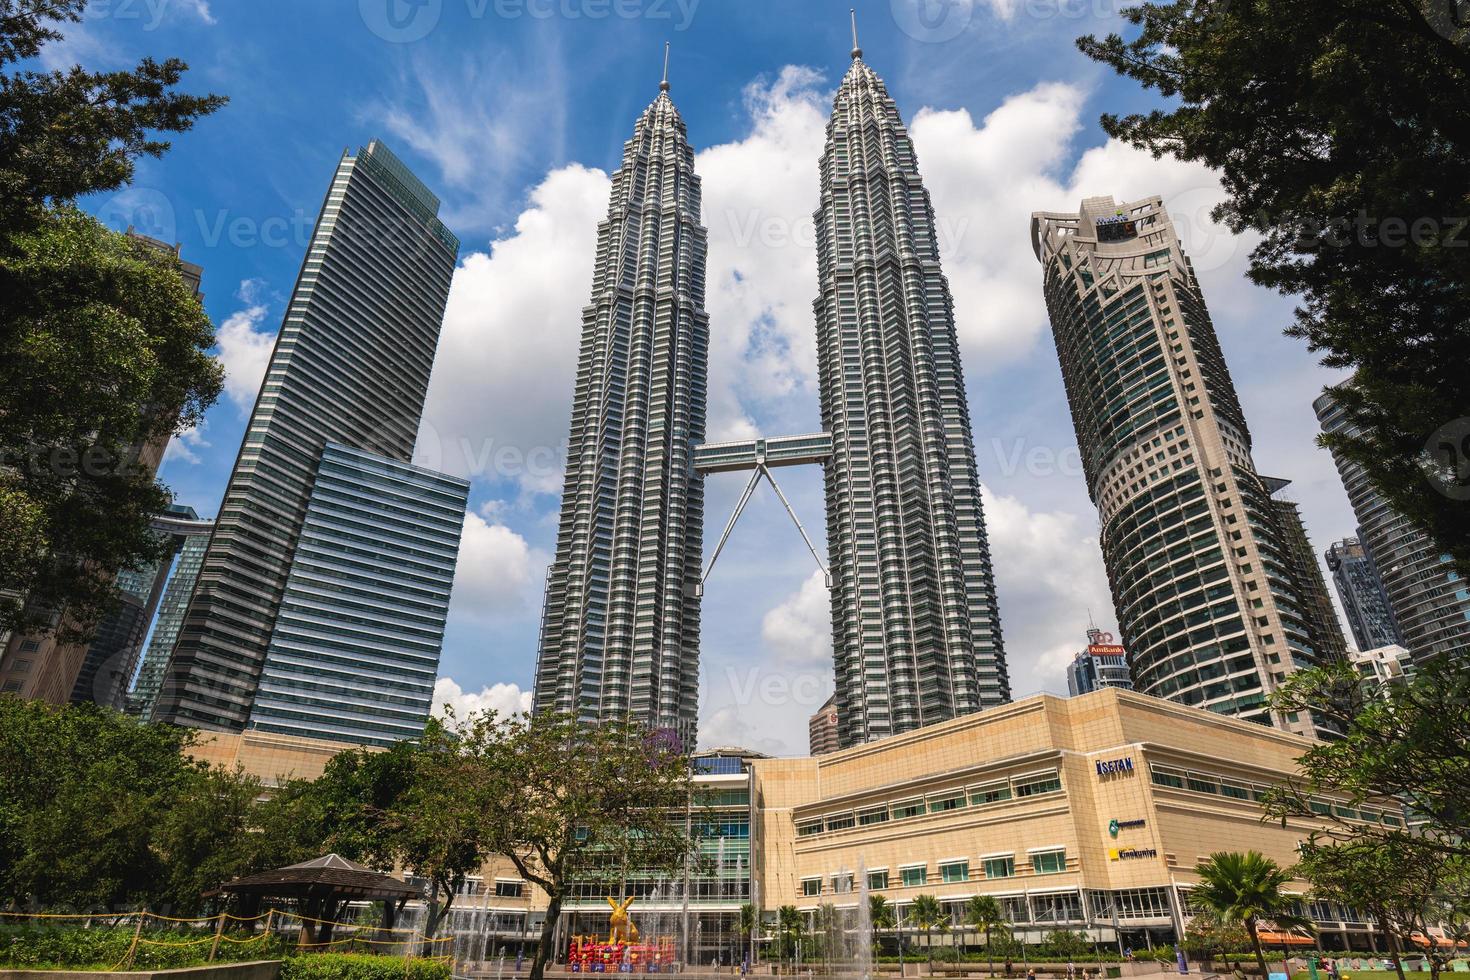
column 746, row 926
column 790, row 923
column 984, row 912
column 1246, row 889
column 927, row 914
column 880, row 916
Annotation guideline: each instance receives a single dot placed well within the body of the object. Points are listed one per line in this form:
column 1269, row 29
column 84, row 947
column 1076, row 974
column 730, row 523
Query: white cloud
column 245, row 353
column 186, row 446
column 1049, row 573
column 799, row 630
column 503, row 699
column 759, row 193
column 730, row 726
column 986, row 179
column 500, row 397
column 498, row 573
column 200, row 9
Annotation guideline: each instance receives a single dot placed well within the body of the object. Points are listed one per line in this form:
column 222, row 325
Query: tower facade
column 1429, row 600
column 1361, row 592
column 620, row 624
column 915, row 626
column 1205, row 578
column 351, row 365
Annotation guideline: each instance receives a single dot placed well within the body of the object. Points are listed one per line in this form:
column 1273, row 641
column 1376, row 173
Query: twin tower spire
column 915, row 628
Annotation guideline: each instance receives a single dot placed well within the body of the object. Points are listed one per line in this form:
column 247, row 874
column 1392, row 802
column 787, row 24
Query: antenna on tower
column 663, row 86
column 857, row 52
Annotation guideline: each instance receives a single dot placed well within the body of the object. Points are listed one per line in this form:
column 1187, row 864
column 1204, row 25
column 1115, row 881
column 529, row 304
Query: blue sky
column 515, row 111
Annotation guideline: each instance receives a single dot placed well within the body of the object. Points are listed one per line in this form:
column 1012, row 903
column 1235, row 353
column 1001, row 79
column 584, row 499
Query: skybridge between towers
column 760, row 456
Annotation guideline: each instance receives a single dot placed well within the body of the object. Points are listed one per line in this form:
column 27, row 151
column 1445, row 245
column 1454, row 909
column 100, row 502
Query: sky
column 515, row 111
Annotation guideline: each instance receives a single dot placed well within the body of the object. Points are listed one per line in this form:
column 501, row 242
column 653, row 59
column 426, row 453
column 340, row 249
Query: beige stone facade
column 1016, row 801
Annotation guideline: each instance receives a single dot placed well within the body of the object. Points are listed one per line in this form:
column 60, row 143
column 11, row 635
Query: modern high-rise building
column 1211, row 603
column 1361, row 592
column 1429, row 600
column 620, row 623
column 1301, row 559
column 190, row 537
column 915, row 626
column 350, row 366
column 821, row 728
column 1102, row 664
column 355, row 650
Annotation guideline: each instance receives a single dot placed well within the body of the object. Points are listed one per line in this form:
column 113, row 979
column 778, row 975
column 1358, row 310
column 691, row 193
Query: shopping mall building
column 1087, row 813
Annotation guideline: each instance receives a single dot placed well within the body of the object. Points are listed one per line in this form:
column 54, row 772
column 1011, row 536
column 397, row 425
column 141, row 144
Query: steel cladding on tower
column 916, row 629
column 620, row 625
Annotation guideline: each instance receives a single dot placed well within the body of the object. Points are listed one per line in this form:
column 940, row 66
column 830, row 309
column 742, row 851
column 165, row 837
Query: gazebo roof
column 330, row 874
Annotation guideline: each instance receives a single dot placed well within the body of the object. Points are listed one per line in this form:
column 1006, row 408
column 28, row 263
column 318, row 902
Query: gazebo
column 320, row 888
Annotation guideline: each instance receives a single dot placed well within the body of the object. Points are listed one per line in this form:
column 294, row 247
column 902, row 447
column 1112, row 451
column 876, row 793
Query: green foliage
column 358, row 966
column 64, row 134
column 1247, row 889
column 1293, row 102
column 1066, row 944
column 105, row 945
column 98, row 811
column 1407, row 741
column 880, row 912
column 102, row 345
column 1207, row 936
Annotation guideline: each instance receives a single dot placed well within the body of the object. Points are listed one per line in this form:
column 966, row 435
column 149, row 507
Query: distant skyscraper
column 1301, row 559
column 821, row 728
column 190, row 537
column 1204, row 578
column 1102, row 664
column 351, row 366
column 1361, row 592
column 1429, row 600
column 915, row 627
column 620, row 624
column 355, row 650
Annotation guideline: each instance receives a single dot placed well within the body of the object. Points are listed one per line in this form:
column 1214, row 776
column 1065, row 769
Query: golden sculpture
column 620, row 928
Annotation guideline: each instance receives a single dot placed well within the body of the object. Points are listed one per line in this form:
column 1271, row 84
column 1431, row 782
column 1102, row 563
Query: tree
column 102, row 346
column 747, row 924
column 926, row 914
column 66, row 134
column 983, row 912
column 1404, row 743
column 880, row 916
column 1407, row 889
column 1206, row 935
column 101, row 812
column 1247, row 889
column 1066, row 944
column 791, row 926
column 1293, row 102
column 570, row 802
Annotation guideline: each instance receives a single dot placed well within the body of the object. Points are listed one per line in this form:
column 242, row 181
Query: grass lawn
column 1360, row 974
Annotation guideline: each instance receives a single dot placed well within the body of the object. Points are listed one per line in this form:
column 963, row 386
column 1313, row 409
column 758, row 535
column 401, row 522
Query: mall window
column 841, row 822
column 877, row 881
column 869, row 817
column 1167, row 777
column 1000, row 867
column 1049, row 862
column 842, row 883
column 990, row 793
column 808, row 828
column 1037, row 784
column 911, row 808
column 947, row 803
column 914, row 877
column 509, row 889
column 811, row 886
column 954, row 871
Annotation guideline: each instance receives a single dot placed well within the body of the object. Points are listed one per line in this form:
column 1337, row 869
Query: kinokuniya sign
column 1115, row 767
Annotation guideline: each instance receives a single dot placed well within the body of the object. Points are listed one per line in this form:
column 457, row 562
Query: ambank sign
column 1115, row 767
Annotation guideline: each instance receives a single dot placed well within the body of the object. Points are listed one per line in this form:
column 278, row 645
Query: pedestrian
column 1031, row 973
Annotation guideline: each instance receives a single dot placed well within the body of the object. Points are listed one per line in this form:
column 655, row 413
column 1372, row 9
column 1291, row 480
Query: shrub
column 361, row 966
column 105, row 946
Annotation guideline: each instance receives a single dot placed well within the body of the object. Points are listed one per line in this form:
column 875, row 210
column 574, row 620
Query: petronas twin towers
column 915, row 628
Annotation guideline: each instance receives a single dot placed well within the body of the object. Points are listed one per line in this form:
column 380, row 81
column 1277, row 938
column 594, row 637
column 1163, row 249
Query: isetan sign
column 1115, row 767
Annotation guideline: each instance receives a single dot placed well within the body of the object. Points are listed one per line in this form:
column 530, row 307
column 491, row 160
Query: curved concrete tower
column 620, row 627
column 915, row 628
